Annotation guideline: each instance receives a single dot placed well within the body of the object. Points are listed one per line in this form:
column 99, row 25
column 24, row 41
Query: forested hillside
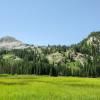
column 82, row 59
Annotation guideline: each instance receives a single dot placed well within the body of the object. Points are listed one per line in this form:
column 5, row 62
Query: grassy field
column 48, row 88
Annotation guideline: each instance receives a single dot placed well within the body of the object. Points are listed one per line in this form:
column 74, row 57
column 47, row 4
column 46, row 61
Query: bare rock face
column 8, row 42
column 8, row 39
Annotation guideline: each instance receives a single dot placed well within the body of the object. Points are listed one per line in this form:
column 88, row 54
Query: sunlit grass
column 48, row 88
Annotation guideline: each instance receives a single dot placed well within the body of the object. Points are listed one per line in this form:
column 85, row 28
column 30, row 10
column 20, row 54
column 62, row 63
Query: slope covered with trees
column 82, row 59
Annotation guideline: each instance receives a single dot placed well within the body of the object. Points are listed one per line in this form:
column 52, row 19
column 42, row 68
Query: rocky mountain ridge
column 9, row 43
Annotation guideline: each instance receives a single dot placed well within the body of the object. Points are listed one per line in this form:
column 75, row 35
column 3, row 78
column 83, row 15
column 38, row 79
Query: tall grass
column 48, row 88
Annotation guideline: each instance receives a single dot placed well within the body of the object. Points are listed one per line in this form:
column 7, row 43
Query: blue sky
column 49, row 21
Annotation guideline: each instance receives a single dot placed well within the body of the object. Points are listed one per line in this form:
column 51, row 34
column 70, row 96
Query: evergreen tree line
column 33, row 62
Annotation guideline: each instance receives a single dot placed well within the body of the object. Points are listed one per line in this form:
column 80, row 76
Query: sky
column 44, row 22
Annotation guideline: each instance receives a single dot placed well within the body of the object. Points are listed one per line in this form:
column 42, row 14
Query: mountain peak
column 8, row 39
column 9, row 42
column 96, row 34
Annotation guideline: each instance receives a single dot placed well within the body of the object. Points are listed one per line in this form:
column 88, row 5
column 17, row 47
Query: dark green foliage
column 30, row 61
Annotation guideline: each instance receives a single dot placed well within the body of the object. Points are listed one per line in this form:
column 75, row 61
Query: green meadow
column 30, row 87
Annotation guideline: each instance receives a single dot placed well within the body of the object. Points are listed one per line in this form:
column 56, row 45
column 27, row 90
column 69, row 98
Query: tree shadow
column 13, row 83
